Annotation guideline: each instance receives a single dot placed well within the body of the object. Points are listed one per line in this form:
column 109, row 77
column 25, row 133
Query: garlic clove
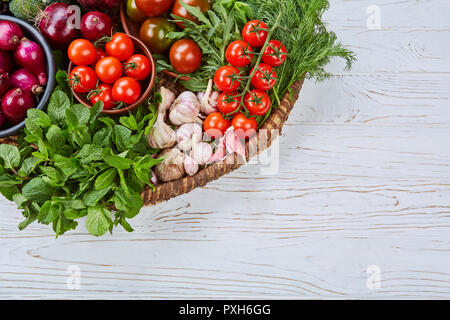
column 188, row 134
column 185, row 109
column 172, row 167
column 161, row 136
column 208, row 99
column 201, row 153
column 190, row 166
column 233, row 143
column 168, row 97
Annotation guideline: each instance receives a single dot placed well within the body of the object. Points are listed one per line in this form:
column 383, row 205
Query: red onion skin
column 10, row 35
column 6, row 63
column 2, row 119
column 25, row 80
column 5, row 83
column 96, row 25
column 15, row 104
column 55, row 25
column 98, row 4
column 30, row 56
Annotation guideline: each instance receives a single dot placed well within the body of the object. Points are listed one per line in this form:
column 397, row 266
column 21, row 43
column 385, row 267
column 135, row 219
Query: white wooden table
column 362, row 193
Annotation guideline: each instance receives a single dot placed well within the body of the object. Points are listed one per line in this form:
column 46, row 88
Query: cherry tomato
column 138, row 67
column 121, row 46
column 264, row 78
column 126, row 90
column 109, row 69
column 134, row 13
column 154, row 8
column 83, row 79
column 82, row 53
column 244, row 127
column 239, row 53
column 227, row 78
column 185, row 56
column 275, row 54
column 255, row 32
column 100, row 55
column 257, row 102
column 180, row 11
column 215, row 125
column 104, row 94
column 228, row 103
column 153, row 33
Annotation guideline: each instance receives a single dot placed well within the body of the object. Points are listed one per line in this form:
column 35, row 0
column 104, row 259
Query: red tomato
column 82, row 53
column 244, row 127
column 227, row 78
column 100, row 55
column 264, row 78
column 104, row 94
column 138, row 67
column 239, row 53
column 154, row 8
column 185, row 56
column 255, row 32
column 215, row 125
column 180, row 11
column 121, row 47
column 228, row 103
column 257, row 102
column 83, row 79
column 109, row 69
column 275, row 54
column 126, row 90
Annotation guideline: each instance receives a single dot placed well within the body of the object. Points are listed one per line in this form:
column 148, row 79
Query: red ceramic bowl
column 146, row 85
column 132, row 28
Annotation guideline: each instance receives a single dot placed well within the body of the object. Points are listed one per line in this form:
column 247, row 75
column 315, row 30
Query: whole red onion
column 5, row 83
column 15, row 104
column 96, row 25
column 98, row 4
column 6, row 63
column 10, row 35
column 30, row 56
column 57, row 24
column 25, row 80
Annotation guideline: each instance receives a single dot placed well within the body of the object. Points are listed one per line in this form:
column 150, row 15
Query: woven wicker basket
column 168, row 190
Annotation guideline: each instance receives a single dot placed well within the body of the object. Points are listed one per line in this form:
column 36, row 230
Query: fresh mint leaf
column 28, row 165
column 82, row 114
column 33, row 129
column 98, row 221
column 49, row 212
column 102, row 138
column 66, row 165
column 30, row 217
column 74, row 214
column 116, row 161
column 129, row 203
column 7, row 180
column 91, row 198
column 39, row 118
column 57, row 106
column 38, row 190
column 10, row 155
column 105, row 179
column 55, row 136
column 89, row 153
column 122, row 137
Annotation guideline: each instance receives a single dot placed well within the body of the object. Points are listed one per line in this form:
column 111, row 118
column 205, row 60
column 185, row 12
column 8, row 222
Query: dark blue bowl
column 34, row 35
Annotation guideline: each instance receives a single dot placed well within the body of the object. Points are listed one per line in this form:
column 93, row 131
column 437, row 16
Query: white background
column 364, row 180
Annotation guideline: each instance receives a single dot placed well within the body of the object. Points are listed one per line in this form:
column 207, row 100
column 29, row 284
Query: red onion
column 6, row 63
column 5, row 83
column 98, row 4
column 2, row 119
column 15, row 104
column 57, row 24
column 30, row 56
column 25, row 80
column 10, row 35
column 96, row 25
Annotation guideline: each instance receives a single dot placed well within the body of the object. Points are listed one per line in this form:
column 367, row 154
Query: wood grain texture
column 364, row 179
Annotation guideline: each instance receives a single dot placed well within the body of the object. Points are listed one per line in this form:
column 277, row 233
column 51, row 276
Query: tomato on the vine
column 228, row 102
column 82, row 52
column 185, row 56
column 179, row 11
column 215, row 125
column 239, row 53
column 109, row 69
column 275, row 54
column 264, row 78
column 154, row 8
column 257, row 102
column 153, row 32
column 126, row 90
column 227, row 78
column 121, row 46
column 83, row 79
column 244, row 127
column 104, row 94
column 255, row 32
column 138, row 67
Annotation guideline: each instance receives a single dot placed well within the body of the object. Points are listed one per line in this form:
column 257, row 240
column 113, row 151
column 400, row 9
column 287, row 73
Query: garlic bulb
column 161, row 136
column 188, row 134
column 201, row 153
column 168, row 97
column 208, row 99
column 172, row 167
column 190, row 166
column 185, row 109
